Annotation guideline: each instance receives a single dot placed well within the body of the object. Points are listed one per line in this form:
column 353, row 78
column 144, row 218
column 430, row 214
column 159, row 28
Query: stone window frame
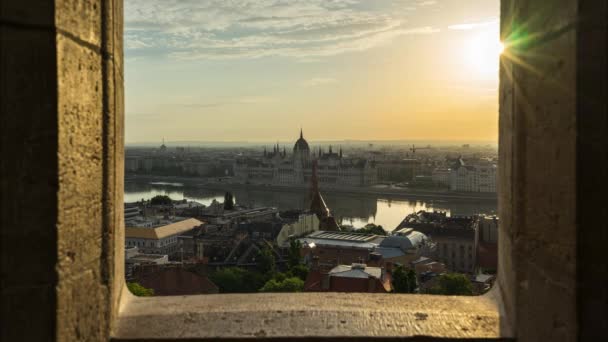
column 293, row 315
column 61, row 96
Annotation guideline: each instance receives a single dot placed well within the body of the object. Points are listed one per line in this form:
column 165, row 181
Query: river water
column 355, row 210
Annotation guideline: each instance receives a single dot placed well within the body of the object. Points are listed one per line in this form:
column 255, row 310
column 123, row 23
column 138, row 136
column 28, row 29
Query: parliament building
column 276, row 167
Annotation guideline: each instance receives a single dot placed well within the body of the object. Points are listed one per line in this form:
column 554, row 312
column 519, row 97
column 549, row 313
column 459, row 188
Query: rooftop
column 163, row 231
column 343, row 236
column 356, row 271
column 388, row 246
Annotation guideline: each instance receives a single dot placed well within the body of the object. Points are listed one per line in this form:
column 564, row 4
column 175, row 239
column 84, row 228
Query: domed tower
column 301, row 159
column 301, row 151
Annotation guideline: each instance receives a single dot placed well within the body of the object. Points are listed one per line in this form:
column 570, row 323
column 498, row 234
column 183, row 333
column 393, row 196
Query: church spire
column 317, row 204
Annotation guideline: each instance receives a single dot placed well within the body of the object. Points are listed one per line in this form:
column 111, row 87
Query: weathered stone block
column 80, row 19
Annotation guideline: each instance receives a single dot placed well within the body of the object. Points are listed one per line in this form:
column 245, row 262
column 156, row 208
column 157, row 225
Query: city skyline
column 257, row 71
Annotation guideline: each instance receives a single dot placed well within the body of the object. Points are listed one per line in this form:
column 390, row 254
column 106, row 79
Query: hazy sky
column 258, row 70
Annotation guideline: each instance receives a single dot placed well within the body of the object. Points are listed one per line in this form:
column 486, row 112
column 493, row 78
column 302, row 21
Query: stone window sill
column 308, row 315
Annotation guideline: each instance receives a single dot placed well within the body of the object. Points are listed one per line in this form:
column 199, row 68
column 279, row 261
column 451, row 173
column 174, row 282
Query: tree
column 453, row 284
column 293, row 257
column 371, row 228
column 299, row 271
column 139, row 290
column 287, row 285
column 161, row 200
column 228, row 201
column 265, row 261
column 404, row 281
column 237, row 280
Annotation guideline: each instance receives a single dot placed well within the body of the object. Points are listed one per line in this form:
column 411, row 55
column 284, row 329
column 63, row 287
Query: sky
column 259, row 70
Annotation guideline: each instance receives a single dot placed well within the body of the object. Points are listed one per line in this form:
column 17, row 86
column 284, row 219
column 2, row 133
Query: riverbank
column 393, row 193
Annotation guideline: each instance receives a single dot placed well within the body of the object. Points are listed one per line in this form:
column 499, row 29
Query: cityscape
column 278, row 170
column 311, row 146
column 202, row 220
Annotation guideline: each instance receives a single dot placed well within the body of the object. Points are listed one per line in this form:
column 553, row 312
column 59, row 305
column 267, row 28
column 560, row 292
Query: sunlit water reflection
column 348, row 209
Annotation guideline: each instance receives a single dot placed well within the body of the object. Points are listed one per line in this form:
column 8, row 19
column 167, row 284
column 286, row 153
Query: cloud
column 427, row 3
column 249, row 100
column 318, row 81
column 474, row 25
column 224, row 29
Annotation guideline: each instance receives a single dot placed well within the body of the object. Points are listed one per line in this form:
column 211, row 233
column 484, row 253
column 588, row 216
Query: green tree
column 265, row 261
column 139, row 290
column 293, row 257
column 404, row 281
column 287, row 285
column 161, row 200
column 228, row 201
column 299, row 271
column 237, row 280
column 453, row 284
column 371, row 228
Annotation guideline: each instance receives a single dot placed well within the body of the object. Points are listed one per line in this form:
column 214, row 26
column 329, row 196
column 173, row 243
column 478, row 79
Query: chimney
column 315, row 263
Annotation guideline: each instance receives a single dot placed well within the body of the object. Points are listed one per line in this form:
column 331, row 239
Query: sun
column 482, row 52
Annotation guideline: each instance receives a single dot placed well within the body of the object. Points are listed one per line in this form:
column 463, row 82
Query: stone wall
column 61, row 134
column 62, row 129
column 552, row 138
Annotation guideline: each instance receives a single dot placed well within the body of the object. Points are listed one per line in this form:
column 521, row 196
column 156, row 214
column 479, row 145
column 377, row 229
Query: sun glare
column 483, row 51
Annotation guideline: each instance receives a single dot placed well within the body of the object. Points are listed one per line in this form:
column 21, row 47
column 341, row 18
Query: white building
column 441, row 176
column 161, row 239
column 476, row 177
column 305, row 224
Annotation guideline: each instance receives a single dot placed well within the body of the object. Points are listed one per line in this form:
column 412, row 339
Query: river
column 355, row 210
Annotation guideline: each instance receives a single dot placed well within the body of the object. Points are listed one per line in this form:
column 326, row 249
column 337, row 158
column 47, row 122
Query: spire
column 340, row 151
column 301, row 133
column 317, row 203
column 314, row 178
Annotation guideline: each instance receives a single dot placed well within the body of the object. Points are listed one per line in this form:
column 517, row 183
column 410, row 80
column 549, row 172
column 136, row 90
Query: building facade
column 441, row 177
column 349, row 278
column 305, row 223
column 474, row 177
column 159, row 240
column 276, row 167
column 453, row 238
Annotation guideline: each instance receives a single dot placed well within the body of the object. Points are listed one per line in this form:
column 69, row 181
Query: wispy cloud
column 219, row 29
column 249, row 100
column 427, row 3
column 474, row 25
column 318, row 81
